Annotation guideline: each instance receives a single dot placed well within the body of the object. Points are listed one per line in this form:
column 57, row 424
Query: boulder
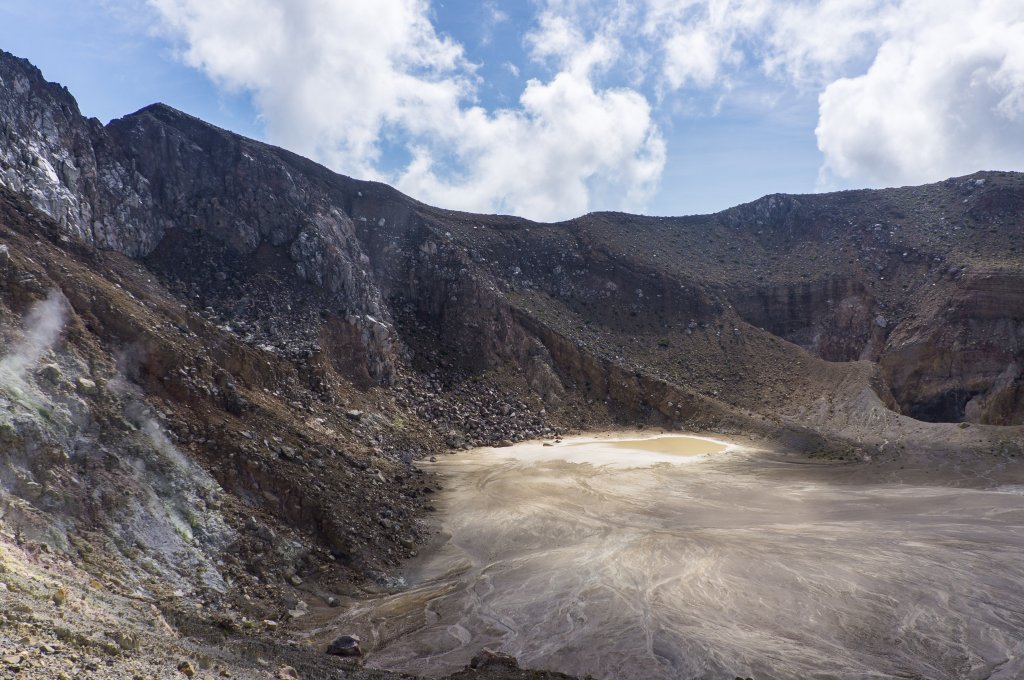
column 346, row 645
column 51, row 373
column 299, row 610
column 86, row 386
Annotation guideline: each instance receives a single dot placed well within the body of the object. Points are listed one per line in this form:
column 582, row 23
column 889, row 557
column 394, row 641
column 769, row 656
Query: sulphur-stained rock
column 60, row 596
column 86, row 386
column 126, row 640
column 51, row 373
column 345, row 645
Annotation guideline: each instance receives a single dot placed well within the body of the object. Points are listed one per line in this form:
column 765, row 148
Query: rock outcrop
column 222, row 361
column 847, row 277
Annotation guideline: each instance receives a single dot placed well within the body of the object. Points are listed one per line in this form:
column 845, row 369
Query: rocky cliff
column 846, row 277
column 222, row 361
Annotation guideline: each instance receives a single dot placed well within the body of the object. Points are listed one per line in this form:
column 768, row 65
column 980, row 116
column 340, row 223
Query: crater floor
column 630, row 558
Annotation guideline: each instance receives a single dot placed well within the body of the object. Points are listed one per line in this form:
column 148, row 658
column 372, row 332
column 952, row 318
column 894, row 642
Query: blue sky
column 551, row 108
column 113, row 64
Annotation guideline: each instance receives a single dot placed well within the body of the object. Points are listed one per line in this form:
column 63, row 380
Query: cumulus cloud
column 327, row 76
column 335, row 79
column 910, row 90
column 943, row 96
column 568, row 141
column 698, row 40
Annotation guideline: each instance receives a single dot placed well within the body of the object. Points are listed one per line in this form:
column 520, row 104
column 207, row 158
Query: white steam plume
column 43, row 325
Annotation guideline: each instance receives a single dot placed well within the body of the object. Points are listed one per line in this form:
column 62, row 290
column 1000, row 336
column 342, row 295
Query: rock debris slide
column 221, row 363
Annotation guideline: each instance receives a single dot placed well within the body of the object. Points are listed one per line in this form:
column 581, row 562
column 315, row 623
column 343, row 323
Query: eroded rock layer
column 221, row 360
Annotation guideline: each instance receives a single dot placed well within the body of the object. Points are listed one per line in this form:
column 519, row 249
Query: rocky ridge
column 222, row 361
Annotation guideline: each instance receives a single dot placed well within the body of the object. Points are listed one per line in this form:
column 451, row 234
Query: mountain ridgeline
column 255, row 351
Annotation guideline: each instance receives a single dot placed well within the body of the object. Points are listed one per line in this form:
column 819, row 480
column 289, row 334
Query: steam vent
column 262, row 420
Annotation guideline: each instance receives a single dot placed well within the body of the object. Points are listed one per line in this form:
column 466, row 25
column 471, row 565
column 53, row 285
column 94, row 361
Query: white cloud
column 556, row 37
column 568, row 141
column 943, row 96
column 813, row 43
column 694, row 55
column 327, row 76
column 703, row 42
column 332, row 78
column 910, row 90
column 698, row 40
column 495, row 16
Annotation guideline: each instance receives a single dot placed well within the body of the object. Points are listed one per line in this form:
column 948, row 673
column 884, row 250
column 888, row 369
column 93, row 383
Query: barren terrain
column 225, row 369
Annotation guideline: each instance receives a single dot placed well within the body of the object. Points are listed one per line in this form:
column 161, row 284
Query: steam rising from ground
column 156, row 498
column 43, row 325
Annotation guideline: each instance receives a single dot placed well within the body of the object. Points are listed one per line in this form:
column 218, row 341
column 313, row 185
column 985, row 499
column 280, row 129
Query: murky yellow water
column 684, row 558
column 677, row 445
column 610, row 451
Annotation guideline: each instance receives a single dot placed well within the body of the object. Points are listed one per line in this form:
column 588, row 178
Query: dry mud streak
column 625, row 563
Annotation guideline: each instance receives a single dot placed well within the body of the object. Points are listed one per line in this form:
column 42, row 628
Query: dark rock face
column 961, row 359
column 130, row 184
column 247, row 196
column 68, row 166
column 359, row 279
column 256, row 350
column 346, row 645
column 837, row 319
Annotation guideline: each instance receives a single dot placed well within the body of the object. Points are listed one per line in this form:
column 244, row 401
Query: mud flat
column 684, row 557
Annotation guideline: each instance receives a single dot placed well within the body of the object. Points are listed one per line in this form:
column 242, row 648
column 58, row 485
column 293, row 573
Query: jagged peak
column 13, row 61
column 12, row 65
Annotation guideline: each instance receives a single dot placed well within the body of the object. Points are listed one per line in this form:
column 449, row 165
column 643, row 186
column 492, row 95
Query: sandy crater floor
column 629, row 556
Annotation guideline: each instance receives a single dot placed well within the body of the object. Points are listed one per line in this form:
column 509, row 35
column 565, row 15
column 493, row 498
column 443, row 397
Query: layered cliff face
column 927, row 283
column 959, row 357
column 223, row 360
column 846, row 277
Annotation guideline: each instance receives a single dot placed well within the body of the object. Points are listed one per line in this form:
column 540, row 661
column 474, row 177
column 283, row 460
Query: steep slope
column 857, row 275
column 184, row 495
column 222, row 360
